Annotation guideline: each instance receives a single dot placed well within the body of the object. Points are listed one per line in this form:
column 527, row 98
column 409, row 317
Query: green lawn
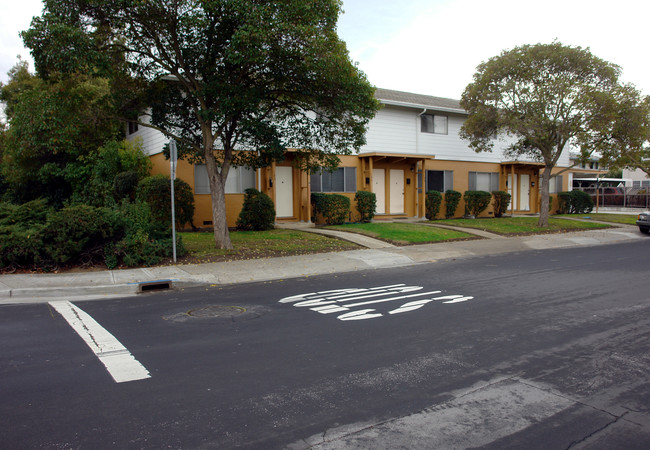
column 629, row 219
column 521, row 225
column 402, row 233
column 260, row 244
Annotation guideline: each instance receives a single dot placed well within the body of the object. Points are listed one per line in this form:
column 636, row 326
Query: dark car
column 644, row 222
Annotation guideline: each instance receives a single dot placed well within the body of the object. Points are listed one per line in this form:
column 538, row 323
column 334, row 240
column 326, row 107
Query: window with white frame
column 640, row 183
column 554, row 185
column 239, row 179
column 440, row 180
column 343, row 179
column 433, row 123
column 484, row 181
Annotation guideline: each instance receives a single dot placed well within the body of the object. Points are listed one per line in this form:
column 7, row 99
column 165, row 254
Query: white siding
column 392, row 130
column 153, row 141
column 397, row 130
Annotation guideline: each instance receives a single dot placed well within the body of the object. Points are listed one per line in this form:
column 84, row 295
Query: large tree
column 54, row 132
column 235, row 82
column 542, row 98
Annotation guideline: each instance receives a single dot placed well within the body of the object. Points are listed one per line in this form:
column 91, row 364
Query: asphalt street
column 537, row 349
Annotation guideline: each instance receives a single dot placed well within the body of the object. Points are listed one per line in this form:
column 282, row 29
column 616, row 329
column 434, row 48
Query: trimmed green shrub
column 366, row 205
column 432, row 204
column 258, row 212
column 500, row 202
column 156, row 191
column 575, row 202
column 452, row 199
column 476, row 202
column 334, row 208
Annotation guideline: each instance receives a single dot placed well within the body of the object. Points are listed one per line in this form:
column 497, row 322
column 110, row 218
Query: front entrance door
column 379, row 189
column 396, row 191
column 512, row 190
column 524, row 192
column 284, row 191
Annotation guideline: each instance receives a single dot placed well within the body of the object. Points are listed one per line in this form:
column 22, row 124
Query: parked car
column 644, row 222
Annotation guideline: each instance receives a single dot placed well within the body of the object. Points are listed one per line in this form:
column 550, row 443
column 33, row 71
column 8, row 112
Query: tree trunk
column 218, row 197
column 544, row 204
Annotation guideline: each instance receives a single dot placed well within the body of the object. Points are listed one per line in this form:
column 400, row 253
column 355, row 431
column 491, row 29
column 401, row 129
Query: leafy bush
column 575, row 202
column 476, row 202
column 334, row 208
column 366, row 205
column 21, row 234
column 452, row 199
column 125, row 185
column 156, row 191
column 500, row 202
column 81, row 234
column 432, row 204
column 258, row 212
column 145, row 242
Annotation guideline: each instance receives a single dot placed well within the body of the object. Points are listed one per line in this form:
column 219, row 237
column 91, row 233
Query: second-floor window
column 433, row 123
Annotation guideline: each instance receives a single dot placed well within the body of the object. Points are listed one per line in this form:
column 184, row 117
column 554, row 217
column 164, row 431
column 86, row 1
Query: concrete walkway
column 32, row 288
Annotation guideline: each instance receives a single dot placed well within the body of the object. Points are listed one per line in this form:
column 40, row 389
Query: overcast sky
column 433, row 46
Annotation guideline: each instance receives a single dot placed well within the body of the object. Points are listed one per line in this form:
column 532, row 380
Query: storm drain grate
column 156, row 285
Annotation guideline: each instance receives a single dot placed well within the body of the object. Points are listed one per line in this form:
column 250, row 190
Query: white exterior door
column 396, row 191
column 284, row 191
column 379, row 189
column 512, row 190
column 524, row 192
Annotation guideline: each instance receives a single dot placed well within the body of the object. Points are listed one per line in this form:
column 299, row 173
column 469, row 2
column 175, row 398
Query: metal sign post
column 172, row 161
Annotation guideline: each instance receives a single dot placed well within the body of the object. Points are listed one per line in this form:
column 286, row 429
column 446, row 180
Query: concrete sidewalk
column 34, row 288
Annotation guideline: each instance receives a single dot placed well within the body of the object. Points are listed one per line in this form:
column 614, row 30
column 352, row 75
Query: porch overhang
column 394, row 157
column 523, row 165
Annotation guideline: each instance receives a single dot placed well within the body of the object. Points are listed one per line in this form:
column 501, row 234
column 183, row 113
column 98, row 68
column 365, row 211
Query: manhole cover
column 217, row 311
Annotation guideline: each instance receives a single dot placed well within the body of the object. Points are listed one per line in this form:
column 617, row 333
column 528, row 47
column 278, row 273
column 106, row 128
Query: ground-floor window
column 554, row 184
column 484, row 181
column 440, row 180
column 343, row 179
column 239, row 179
column 640, row 183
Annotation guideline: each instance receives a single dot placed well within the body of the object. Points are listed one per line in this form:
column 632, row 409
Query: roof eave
column 420, row 106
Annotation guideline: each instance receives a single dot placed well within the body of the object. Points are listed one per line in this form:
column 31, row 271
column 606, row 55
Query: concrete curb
column 33, row 288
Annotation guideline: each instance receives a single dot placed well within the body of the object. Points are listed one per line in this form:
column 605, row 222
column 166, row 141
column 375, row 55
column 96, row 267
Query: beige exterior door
column 396, row 191
column 284, row 191
column 524, row 192
column 379, row 189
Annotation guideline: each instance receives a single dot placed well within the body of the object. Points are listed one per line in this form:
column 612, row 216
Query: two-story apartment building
column 413, row 146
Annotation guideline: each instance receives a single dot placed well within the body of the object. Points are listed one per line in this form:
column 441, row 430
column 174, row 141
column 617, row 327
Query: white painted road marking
column 340, row 300
column 119, row 362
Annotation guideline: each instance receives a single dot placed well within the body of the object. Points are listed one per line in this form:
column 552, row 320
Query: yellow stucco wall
column 409, row 164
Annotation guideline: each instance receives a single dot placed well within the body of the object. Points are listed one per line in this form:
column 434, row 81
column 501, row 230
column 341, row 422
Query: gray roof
column 391, row 97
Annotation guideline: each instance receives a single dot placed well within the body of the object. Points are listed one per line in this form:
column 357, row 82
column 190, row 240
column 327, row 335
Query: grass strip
column 259, row 244
column 403, row 233
column 522, row 225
